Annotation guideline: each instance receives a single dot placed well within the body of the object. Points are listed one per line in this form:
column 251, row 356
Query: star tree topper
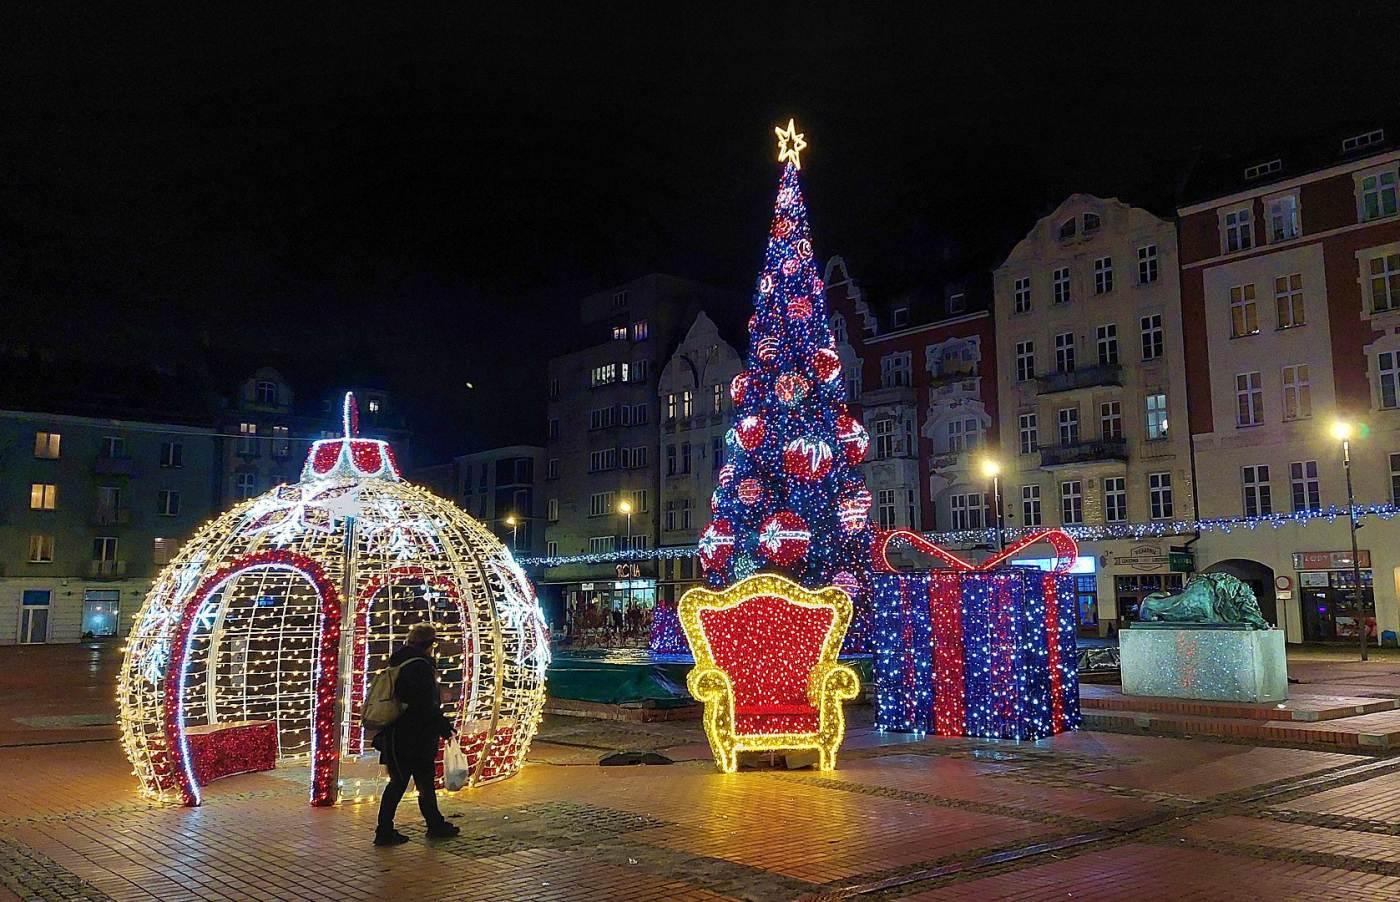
column 790, row 144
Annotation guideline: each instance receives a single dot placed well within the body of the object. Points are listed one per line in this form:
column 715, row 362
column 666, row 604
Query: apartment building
column 1092, row 393
column 696, row 411
column 500, row 487
column 921, row 374
column 1290, row 271
column 90, row 510
column 602, row 462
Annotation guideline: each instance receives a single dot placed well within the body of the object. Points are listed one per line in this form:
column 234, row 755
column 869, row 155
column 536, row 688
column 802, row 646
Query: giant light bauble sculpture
column 258, row 640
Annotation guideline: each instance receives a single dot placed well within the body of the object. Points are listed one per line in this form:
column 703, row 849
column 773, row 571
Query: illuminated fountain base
column 1218, row 662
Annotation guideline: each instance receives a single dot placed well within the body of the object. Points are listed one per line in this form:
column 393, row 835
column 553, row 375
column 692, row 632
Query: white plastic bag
column 454, row 766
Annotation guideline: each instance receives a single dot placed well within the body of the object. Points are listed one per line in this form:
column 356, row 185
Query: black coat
column 415, row 734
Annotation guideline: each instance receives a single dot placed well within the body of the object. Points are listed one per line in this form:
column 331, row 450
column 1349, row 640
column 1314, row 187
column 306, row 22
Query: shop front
column 1136, row 570
column 1328, row 592
column 612, row 612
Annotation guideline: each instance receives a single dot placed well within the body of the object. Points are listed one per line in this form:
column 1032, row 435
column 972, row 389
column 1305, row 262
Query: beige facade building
column 1092, row 394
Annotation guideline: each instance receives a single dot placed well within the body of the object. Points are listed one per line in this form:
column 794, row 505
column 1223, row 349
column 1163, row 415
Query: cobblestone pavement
column 1087, row 815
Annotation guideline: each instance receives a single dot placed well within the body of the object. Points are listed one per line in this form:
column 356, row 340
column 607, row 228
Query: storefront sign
column 627, row 571
column 1330, row 560
column 1313, row 579
column 1144, row 558
column 1181, row 559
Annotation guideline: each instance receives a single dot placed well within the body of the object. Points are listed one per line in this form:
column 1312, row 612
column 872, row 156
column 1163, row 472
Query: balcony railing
column 1083, row 377
column 112, row 466
column 106, row 569
column 1083, row 452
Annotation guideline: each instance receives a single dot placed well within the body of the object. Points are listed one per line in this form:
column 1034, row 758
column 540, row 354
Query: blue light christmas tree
column 791, row 498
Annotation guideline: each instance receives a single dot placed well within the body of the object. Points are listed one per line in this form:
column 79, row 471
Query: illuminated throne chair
column 766, row 669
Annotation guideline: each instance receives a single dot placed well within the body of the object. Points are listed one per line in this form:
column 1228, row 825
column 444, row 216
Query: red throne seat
column 766, row 669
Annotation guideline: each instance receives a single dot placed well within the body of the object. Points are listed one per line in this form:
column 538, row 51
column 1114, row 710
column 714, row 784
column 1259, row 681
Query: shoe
column 392, row 838
column 444, row 831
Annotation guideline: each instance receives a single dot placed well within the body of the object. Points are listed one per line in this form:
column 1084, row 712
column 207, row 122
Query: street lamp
column 624, row 507
column 514, row 524
column 992, row 470
column 1341, row 431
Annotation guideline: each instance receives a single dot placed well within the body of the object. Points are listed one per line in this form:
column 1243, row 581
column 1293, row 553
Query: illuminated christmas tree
column 791, row 498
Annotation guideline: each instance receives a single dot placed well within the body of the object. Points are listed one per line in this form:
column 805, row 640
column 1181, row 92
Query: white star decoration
column 790, row 144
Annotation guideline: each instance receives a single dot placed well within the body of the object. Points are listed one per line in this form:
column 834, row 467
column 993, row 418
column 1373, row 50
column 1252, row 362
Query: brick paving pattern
column 1091, row 815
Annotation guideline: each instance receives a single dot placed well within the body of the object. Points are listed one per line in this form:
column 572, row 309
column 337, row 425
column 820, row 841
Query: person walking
column 408, row 747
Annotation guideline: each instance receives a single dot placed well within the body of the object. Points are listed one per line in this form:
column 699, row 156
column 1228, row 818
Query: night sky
column 421, row 200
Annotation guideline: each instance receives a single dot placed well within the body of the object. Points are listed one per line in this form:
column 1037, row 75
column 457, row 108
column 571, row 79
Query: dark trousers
column 421, row 769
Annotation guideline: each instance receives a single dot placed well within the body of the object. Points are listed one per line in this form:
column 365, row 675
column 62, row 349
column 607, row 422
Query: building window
column 1030, row 433
column 619, row 299
column 1030, row 505
column 603, row 375
column 1159, row 494
column 1249, row 400
column 1384, row 273
column 685, row 457
column 551, row 549
column 687, row 404
column 1288, row 300
column 1378, row 195
column 1147, row 264
column 1156, row 416
column 901, row 317
column 640, row 414
column 161, row 551
column 266, row 394
column 964, row 434
column 552, row 510
column 670, row 519
column 1022, row 295
column 1091, row 223
column 1103, row 275
column 957, row 302
column 1025, row 361
column 1244, row 313
column 685, row 513
column 1283, row 217
column 640, row 331
column 895, row 370
column 1307, row 493
column 245, row 485
column 1111, row 420
column 884, row 438
column 601, row 417
column 281, row 441
column 1108, row 344
column 1258, row 500
column 168, row 503
column 885, row 508
column 600, row 504
column 838, row 330
column 1115, row 499
column 172, row 455
column 602, row 544
column 606, row 459
column 855, row 382
column 967, row 510
column 1395, row 478
column 1297, row 393
column 1152, row 336
column 670, row 406
column 551, row 468
column 1059, row 284
column 1068, row 228
column 1071, row 502
column 1259, row 170
column 46, row 445
column 553, row 388
column 670, row 460
column 716, row 398
column 1069, row 425
column 40, row 549
column 104, row 549
column 43, row 496
column 113, row 447
column 716, row 453
column 247, row 439
column 553, row 430
column 1239, row 234
column 1064, row 352
column 1388, row 371
column 639, row 501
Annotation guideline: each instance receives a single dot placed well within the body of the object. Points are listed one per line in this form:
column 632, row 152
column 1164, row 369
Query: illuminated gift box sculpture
column 765, row 667
column 976, row 651
column 256, row 644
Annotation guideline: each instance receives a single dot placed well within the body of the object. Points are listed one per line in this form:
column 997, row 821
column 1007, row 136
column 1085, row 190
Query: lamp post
column 992, row 470
column 624, row 507
column 1341, row 430
column 514, row 525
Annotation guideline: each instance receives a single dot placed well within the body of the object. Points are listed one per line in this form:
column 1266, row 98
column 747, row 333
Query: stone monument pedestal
column 1221, row 662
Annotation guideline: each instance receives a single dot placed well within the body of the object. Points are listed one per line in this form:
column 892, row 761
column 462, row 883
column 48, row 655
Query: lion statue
column 1206, row 598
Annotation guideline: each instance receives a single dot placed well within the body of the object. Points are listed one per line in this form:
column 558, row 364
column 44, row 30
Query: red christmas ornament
column 784, row 538
column 765, row 284
column 807, row 459
column 739, row 387
column 846, row 581
column 782, row 228
column 750, row 491
column 800, row 308
column 818, row 286
column 804, row 248
column 768, row 349
column 790, row 266
column 716, row 545
column 791, row 388
column 853, row 510
column 750, row 432
column 826, row 363
column 853, row 438
column 726, row 475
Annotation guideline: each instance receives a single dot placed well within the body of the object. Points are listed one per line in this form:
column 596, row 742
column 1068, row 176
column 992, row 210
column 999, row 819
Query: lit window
column 671, row 406
column 1384, row 273
column 1288, row 301
column 42, row 496
column 248, row 442
column 1297, row 393
column 1283, row 217
column 619, row 333
column 46, row 445
column 281, row 441
column 717, row 398
column 1244, row 313
column 687, row 403
column 161, row 551
column 1156, row 416
column 373, row 405
column 40, row 549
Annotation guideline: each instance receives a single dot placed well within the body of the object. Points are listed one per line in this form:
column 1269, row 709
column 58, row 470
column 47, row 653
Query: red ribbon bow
column 1066, row 550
